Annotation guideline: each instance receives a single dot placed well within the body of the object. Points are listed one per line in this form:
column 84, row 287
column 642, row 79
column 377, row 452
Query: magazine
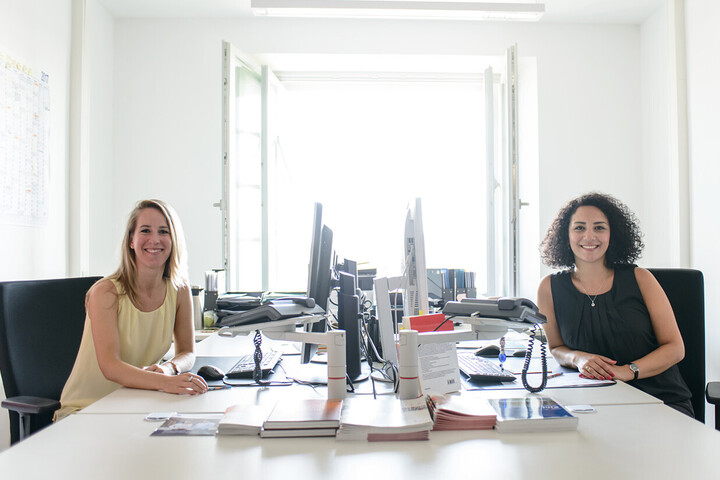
column 189, row 425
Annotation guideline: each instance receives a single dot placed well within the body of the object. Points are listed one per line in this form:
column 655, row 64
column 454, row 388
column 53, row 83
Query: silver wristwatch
column 634, row 369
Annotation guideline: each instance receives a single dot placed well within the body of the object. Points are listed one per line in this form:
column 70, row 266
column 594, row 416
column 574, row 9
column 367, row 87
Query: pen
column 553, row 375
column 218, row 387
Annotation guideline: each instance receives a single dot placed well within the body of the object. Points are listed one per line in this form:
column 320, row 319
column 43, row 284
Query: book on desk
column 310, row 417
column 384, row 419
column 243, row 419
column 532, row 414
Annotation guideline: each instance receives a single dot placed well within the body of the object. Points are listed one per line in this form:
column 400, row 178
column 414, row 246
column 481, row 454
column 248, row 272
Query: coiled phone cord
column 526, row 365
column 257, row 357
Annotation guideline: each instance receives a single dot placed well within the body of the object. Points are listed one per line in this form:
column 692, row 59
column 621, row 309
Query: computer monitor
column 319, row 275
column 415, row 272
column 349, row 318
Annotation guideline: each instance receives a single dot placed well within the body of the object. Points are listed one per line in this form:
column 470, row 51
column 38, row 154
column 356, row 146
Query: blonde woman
column 134, row 314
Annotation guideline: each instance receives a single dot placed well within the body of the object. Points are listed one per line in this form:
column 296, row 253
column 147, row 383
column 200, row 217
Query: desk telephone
column 275, row 310
column 513, row 309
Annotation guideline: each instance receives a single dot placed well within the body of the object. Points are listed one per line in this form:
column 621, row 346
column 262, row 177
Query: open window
column 364, row 141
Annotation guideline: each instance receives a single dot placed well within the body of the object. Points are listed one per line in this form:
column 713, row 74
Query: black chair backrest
column 685, row 288
column 41, row 325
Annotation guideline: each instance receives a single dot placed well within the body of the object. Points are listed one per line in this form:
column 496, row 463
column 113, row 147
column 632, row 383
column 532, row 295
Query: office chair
column 712, row 393
column 41, row 325
column 685, row 288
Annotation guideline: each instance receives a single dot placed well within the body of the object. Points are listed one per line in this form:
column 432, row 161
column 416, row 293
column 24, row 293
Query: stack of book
column 303, row 418
column 532, row 414
column 453, row 412
column 243, row 419
column 384, row 419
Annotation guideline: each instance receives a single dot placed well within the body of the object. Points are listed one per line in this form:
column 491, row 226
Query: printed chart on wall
column 24, row 152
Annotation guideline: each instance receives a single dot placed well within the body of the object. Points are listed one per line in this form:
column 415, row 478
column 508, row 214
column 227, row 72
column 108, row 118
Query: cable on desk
column 526, row 365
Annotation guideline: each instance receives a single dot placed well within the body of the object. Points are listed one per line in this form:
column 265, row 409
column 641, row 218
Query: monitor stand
column 316, row 374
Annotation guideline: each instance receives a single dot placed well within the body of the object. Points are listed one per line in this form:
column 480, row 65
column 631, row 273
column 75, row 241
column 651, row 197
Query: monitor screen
column 415, row 273
column 319, row 275
column 349, row 318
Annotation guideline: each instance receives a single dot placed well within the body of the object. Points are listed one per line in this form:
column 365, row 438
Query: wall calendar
column 24, row 149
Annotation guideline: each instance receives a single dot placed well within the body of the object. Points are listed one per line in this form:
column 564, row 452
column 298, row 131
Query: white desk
column 630, row 436
column 126, row 400
column 619, row 441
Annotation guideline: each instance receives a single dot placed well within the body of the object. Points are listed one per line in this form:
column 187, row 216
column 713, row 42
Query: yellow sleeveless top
column 144, row 338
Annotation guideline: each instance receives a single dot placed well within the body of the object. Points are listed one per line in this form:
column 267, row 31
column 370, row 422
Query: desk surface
column 630, row 436
column 618, row 441
column 126, row 400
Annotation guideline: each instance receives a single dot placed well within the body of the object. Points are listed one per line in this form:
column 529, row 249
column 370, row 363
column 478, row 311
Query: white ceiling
column 561, row 11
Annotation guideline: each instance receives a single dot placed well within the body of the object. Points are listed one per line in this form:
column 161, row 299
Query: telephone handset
column 514, row 309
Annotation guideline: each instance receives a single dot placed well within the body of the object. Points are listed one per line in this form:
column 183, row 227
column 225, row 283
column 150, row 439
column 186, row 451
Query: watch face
column 634, row 367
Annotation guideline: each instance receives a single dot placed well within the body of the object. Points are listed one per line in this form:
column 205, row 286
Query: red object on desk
column 428, row 323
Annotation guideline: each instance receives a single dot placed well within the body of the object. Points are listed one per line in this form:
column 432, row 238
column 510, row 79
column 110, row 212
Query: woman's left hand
column 623, row 372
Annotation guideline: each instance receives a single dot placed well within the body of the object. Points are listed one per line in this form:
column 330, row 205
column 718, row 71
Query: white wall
column 37, row 33
column 103, row 241
column 168, row 104
column 657, row 177
column 167, row 129
column 702, row 18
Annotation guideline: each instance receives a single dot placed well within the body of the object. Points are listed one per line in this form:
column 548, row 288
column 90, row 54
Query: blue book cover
column 532, row 413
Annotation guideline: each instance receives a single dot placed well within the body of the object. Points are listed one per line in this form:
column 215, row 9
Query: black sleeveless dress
column 617, row 327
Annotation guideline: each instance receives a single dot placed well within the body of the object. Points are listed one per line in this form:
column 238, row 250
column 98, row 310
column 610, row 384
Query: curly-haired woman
column 605, row 316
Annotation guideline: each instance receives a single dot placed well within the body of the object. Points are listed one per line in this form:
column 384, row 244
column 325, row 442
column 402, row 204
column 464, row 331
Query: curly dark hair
column 625, row 237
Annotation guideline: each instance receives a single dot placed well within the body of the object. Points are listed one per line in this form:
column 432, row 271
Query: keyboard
column 245, row 366
column 478, row 368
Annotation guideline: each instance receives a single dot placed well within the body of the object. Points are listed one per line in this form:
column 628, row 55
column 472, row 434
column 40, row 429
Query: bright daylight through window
column 364, row 145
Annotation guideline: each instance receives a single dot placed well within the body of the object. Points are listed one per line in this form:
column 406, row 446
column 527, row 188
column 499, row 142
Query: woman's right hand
column 594, row 366
column 183, row 384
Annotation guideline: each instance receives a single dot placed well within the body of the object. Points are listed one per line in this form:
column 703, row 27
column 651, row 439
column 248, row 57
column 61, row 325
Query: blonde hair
column 176, row 265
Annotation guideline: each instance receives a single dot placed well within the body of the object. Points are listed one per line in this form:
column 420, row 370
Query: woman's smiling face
column 589, row 234
column 151, row 239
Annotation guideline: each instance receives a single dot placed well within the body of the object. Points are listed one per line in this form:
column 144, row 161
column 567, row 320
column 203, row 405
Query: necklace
column 592, row 299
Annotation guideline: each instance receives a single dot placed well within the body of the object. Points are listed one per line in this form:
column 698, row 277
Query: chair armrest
column 712, row 392
column 32, row 405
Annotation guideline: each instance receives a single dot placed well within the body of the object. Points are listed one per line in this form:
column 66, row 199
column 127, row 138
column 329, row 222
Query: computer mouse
column 488, row 351
column 519, row 353
column 210, row 372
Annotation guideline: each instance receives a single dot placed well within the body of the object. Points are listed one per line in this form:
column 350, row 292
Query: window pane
column 365, row 151
column 244, row 195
